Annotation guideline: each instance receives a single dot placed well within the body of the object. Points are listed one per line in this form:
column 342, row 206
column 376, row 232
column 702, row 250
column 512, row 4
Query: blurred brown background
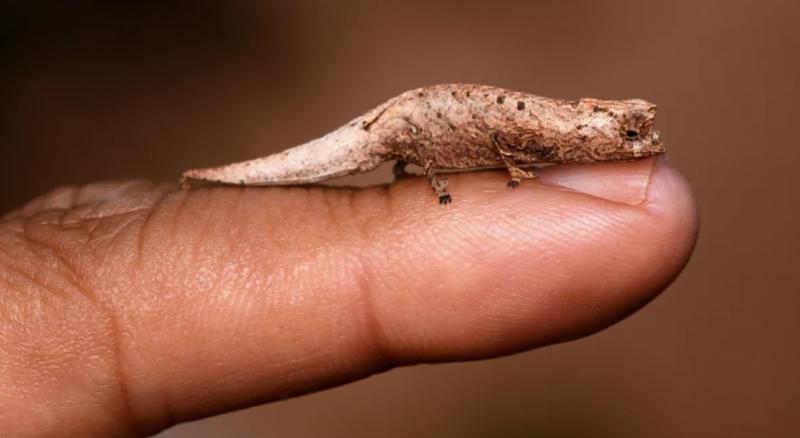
column 95, row 90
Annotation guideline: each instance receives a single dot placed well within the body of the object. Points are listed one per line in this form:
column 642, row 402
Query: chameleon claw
column 445, row 199
column 513, row 184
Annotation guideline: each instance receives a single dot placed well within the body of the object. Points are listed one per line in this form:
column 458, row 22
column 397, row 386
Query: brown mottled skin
column 460, row 127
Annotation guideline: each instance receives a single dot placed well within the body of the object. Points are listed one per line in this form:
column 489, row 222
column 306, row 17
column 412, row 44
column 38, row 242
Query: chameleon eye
column 631, row 134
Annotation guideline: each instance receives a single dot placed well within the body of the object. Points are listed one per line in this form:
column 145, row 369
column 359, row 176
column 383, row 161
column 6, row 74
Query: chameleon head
column 623, row 129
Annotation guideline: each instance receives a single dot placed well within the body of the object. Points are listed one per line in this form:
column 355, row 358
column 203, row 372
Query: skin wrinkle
column 111, row 238
column 357, row 328
column 35, row 242
column 180, row 209
column 133, row 224
column 329, row 215
column 30, row 245
column 145, row 224
column 72, row 276
column 342, row 204
column 79, row 217
column 352, row 209
column 100, row 209
column 377, row 345
column 23, row 274
column 384, row 251
column 93, row 225
column 128, row 413
column 365, row 216
column 175, row 218
column 392, row 206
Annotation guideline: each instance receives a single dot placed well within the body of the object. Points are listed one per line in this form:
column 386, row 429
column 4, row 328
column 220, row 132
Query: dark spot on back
column 520, row 105
column 453, row 93
column 501, row 99
column 438, row 115
column 541, row 151
column 598, row 109
column 420, row 94
column 467, row 93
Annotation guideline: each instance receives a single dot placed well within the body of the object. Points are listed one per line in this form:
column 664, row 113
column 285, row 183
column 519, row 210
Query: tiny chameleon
column 459, row 127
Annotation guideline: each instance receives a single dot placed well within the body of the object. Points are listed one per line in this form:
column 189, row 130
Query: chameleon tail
column 342, row 152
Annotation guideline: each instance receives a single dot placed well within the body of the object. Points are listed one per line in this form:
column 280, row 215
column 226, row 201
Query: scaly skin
column 460, row 127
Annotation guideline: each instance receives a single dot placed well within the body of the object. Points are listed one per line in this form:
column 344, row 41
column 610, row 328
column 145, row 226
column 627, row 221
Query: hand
column 129, row 307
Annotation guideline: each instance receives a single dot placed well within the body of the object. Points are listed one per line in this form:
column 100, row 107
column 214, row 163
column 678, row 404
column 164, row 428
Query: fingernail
column 623, row 182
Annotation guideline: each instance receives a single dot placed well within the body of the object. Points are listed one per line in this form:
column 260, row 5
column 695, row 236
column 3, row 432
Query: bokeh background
column 93, row 90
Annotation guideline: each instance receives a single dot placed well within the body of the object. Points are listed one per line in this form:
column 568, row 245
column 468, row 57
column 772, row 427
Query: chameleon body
column 460, row 127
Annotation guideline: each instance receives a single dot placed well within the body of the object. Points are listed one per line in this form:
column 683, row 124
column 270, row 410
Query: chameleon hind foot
column 517, row 175
column 399, row 170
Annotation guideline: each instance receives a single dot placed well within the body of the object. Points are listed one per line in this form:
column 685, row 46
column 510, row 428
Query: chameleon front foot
column 514, row 183
column 439, row 186
column 437, row 182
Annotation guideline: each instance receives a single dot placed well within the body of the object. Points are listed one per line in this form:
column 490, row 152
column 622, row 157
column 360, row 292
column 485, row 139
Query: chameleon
column 459, row 127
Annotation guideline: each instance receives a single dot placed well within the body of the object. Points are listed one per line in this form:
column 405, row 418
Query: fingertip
column 503, row 270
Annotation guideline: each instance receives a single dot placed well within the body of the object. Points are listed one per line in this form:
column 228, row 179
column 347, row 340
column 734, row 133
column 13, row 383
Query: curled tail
column 342, row 152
